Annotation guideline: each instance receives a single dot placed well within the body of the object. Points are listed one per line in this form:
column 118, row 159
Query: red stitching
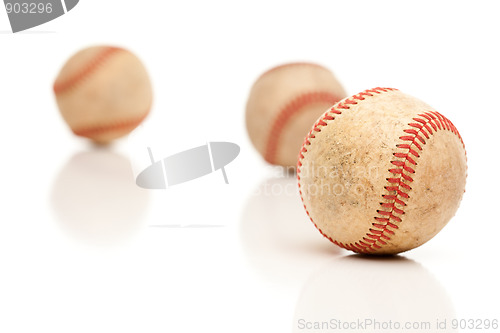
column 61, row 87
column 389, row 214
column 287, row 113
column 396, row 195
column 91, row 131
column 328, row 116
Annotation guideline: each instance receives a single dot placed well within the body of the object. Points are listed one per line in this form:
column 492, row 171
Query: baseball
column 381, row 172
column 284, row 103
column 103, row 93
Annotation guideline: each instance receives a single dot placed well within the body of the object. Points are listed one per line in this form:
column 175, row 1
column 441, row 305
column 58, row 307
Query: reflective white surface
column 95, row 200
column 78, row 248
column 276, row 236
column 370, row 294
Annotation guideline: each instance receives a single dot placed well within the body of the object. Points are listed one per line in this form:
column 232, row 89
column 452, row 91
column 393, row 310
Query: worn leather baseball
column 381, row 172
column 103, row 93
column 283, row 104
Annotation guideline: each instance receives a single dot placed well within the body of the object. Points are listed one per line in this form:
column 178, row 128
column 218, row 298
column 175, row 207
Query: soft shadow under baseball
column 96, row 200
column 278, row 239
column 360, row 294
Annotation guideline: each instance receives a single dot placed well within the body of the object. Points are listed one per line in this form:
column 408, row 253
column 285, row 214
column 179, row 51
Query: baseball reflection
column 359, row 294
column 96, row 200
column 277, row 237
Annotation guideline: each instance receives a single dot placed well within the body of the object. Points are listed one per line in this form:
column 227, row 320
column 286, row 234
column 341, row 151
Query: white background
column 67, row 266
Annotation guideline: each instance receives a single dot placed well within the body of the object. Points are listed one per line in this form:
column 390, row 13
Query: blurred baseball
column 283, row 104
column 103, row 93
column 381, row 172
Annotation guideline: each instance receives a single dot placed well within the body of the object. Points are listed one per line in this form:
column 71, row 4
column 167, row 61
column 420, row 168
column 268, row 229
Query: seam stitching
column 287, row 112
column 90, row 131
column 389, row 216
column 399, row 184
column 86, row 71
column 323, row 121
